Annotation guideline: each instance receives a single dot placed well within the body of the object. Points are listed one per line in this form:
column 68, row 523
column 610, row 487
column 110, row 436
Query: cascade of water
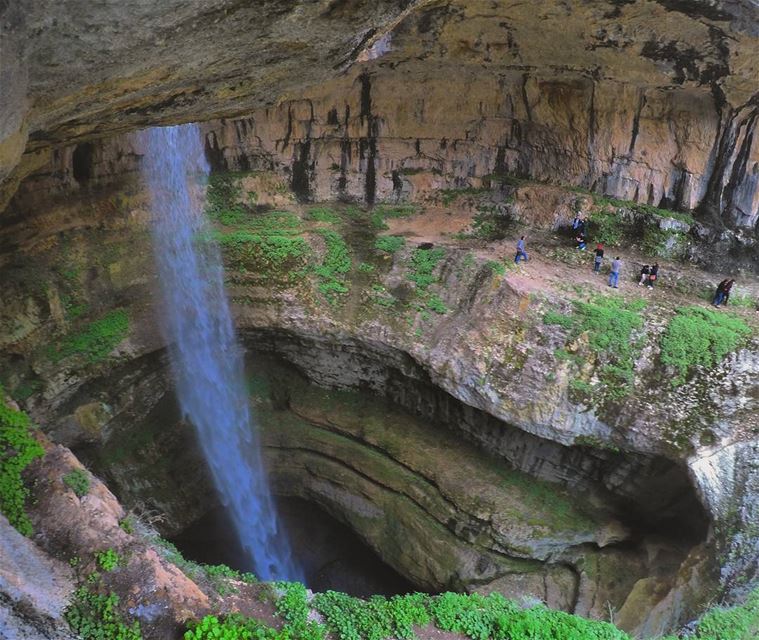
column 205, row 357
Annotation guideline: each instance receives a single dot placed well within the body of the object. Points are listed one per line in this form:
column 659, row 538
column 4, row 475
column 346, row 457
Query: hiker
column 726, row 291
column 616, row 265
column 653, row 275
column 599, row 258
column 719, row 295
column 581, row 243
column 644, row 273
column 521, row 253
column 576, row 222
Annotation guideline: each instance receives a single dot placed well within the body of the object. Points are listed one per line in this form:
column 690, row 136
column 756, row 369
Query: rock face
column 34, row 589
column 652, row 101
column 79, row 71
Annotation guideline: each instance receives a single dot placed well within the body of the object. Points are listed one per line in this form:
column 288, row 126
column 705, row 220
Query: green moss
column 700, row 337
column 95, row 340
column 263, row 252
column 17, row 449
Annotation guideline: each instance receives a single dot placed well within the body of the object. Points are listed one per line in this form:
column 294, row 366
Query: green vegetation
column 334, row 266
column 17, row 449
column 699, row 337
column 78, row 481
column 663, row 243
column 96, row 617
column 107, row 560
column 390, row 244
column 323, row 214
column 127, row 524
column 729, row 623
column 423, row 263
column 496, row 267
column 448, row 196
column 224, row 189
column 606, row 227
column 96, row 339
column 609, row 324
column 365, row 267
column 478, row 617
column 263, row 252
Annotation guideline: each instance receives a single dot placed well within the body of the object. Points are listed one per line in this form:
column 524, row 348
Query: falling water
column 205, row 357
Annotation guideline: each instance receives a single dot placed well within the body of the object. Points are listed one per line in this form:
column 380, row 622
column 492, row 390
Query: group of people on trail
column 649, row 274
column 723, row 292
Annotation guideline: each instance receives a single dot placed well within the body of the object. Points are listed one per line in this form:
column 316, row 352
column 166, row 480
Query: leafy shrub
column 17, row 449
column 663, row 243
column 700, row 337
column 560, row 319
column 390, row 244
column 365, row 267
column 96, row 617
column 423, row 263
column 606, row 227
column 107, row 560
column 78, row 481
column 96, row 340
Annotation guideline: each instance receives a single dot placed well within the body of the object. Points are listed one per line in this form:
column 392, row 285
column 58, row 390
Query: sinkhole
column 387, row 484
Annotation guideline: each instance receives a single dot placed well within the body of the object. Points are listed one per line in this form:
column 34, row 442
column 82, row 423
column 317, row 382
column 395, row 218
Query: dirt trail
column 555, row 264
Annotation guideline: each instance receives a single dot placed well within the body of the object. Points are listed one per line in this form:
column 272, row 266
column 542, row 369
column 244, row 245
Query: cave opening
column 330, row 554
column 82, row 161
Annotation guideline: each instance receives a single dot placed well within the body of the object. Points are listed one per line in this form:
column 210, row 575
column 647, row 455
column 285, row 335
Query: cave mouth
column 330, row 554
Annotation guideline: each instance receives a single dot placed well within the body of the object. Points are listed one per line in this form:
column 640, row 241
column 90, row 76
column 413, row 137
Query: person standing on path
column 599, row 258
column 521, row 253
column 726, row 291
column 616, row 265
column 653, row 276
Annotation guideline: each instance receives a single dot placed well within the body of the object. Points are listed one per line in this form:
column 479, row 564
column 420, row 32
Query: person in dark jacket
column 726, row 290
column 644, row 273
column 719, row 295
column 653, row 275
column 598, row 260
column 581, row 242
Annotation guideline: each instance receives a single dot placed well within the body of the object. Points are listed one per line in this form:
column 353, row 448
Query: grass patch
column 96, row 339
column 699, row 337
column 17, row 449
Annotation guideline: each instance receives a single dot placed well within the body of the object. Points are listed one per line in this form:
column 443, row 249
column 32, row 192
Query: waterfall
column 206, row 360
